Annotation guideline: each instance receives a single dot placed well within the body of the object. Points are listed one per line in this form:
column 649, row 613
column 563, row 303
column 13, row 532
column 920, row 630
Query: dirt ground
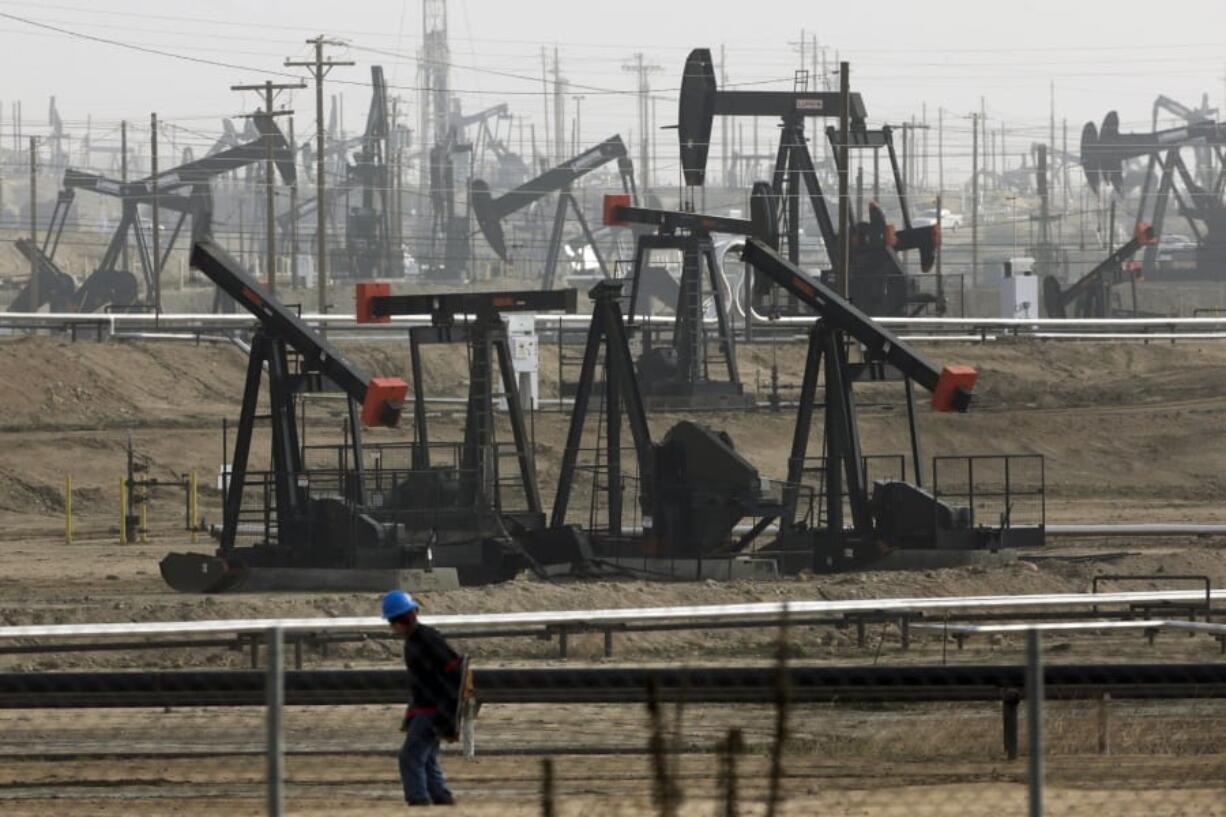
column 1128, row 433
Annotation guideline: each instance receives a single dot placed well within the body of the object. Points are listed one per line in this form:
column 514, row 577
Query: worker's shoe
column 420, row 803
column 445, row 801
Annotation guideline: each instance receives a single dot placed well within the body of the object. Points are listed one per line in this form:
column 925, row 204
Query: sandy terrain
column 1128, row 433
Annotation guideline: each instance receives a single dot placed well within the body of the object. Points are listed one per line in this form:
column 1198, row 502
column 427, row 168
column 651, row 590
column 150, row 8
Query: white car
column 927, row 218
column 1172, row 247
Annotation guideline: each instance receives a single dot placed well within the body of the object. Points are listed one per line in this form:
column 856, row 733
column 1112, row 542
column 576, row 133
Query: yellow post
column 68, row 510
column 144, row 520
column 123, row 512
column 195, row 507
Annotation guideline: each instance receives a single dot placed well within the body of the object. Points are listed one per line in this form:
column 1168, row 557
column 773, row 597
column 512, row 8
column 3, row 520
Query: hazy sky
column 946, row 53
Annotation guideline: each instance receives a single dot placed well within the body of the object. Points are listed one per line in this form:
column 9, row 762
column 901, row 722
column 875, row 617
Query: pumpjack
column 183, row 190
column 883, row 288
column 692, row 487
column 491, row 211
column 1104, row 152
column 354, row 523
column 315, row 538
column 679, row 373
column 479, row 501
column 368, row 249
column 1090, row 295
column 892, row 514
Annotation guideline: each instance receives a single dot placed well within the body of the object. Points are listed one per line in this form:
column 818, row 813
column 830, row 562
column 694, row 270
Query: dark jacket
column 434, row 672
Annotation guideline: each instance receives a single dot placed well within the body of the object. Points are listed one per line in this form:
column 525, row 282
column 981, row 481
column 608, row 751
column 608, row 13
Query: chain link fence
column 794, row 715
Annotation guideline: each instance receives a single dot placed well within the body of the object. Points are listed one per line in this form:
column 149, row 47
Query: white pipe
column 337, row 319
column 693, row 614
column 1126, row 529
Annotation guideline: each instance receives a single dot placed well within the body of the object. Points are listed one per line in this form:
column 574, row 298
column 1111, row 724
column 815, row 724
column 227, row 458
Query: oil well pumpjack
column 490, row 211
column 355, row 527
column 880, row 284
column 694, row 489
column 1104, row 152
column 892, row 514
column 184, row 190
column 309, row 530
column 679, row 373
column 1090, row 295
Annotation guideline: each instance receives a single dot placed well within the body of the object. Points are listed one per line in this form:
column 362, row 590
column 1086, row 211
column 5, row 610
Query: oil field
column 612, row 410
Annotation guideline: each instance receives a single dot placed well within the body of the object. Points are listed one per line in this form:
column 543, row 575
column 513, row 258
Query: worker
column 434, row 681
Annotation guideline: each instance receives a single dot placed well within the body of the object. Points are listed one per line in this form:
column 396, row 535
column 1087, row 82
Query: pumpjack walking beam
column 491, row 211
column 838, row 321
column 381, row 398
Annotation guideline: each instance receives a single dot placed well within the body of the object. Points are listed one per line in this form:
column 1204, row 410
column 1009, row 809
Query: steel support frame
column 621, row 394
column 689, row 330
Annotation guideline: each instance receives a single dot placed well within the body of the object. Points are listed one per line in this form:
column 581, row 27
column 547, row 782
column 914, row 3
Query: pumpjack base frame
column 198, row 573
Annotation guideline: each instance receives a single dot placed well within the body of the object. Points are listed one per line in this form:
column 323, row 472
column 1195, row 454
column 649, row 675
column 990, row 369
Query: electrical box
column 525, row 357
column 1019, row 289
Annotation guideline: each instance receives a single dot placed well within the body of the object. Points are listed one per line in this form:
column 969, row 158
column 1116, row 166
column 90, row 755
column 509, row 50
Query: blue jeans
column 419, row 770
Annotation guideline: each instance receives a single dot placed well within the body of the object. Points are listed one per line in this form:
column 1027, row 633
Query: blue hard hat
column 397, row 603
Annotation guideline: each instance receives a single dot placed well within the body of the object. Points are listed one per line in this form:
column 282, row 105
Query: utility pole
column 844, row 233
column 974, row 199
column 545, row 98
column 559, row 111
column 1052, row 120
column 269, row 90
column 578, row 98
column 34, row 302
column 157, row 249
column 940, row 151
column 1, row 170
column 723, row 121
column 293, row 209
column 906, row 165
column 319, row 68
column 123, row 171
column 983, row 124
column 644, row 92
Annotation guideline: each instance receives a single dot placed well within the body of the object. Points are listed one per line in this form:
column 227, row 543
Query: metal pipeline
column 1139, row 529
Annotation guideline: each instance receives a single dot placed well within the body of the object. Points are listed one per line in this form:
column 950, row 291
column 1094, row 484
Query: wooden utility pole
column 269, row 90
column 157, row 248
column 319, row 68
column 1, row 170
column 123, row 175
column 643, row 70
column 723, row 122
column 940, row 150
column 293, row 209
column 559, row 111
column 545, row 97
column 844, row 187
column 34, row 302
column 974, row 198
